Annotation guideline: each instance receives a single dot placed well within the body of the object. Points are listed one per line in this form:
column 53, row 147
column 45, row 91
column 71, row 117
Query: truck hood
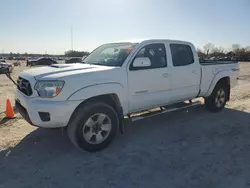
column 57, row 71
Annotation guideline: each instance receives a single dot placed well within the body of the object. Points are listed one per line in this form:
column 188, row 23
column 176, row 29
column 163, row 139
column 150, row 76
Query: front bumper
column 60, row 111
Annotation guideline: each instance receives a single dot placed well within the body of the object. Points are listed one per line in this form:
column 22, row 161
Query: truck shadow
column 194, row 148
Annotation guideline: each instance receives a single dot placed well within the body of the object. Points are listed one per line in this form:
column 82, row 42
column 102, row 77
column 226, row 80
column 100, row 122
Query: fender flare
column 94, row 90
column 217, row 77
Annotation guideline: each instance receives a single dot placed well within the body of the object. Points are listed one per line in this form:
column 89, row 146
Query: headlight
column 49, row 89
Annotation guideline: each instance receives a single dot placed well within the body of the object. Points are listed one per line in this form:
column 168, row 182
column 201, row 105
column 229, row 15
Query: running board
column 162, row 110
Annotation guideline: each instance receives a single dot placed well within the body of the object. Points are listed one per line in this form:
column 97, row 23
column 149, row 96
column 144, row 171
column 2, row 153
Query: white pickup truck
column 116, row 80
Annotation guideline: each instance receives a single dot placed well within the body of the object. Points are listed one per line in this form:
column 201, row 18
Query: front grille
column 24, row 86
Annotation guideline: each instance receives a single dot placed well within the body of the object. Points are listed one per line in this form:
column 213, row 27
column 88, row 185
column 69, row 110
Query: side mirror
column 142, row 62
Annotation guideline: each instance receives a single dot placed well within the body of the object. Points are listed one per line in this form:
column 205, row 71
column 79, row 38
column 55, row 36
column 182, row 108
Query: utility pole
column 71, row 34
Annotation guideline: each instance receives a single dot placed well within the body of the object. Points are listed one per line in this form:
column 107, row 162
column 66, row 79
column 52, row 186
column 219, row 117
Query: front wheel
column 217, row 100
column 93, row 127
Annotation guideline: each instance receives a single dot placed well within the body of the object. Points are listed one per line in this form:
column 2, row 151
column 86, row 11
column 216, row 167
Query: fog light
column 45, row 116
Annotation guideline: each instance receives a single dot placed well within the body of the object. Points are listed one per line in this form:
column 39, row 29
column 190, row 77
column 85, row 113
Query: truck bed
column 209, row 72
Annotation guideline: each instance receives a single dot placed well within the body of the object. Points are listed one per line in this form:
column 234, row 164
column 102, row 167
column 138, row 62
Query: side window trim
column 131, row 68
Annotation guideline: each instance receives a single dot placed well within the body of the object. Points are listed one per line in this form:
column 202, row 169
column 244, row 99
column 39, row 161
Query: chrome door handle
column 165, row 75
column 194, row 71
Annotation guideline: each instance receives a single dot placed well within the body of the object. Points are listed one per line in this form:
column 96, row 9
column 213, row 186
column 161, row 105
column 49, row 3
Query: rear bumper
column 59, row 111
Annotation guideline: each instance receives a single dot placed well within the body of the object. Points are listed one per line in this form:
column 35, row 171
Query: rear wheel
column 93, row 127
column 217, row 100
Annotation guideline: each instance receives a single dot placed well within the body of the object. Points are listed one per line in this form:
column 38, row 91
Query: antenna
column 71, row 33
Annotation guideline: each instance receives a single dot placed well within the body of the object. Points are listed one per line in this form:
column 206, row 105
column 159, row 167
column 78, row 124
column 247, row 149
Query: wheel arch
column 111, row 99
column 220, row 78
column 225, row 81
column 115, row 90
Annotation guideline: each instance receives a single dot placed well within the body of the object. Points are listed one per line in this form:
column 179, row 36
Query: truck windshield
column 113, row 54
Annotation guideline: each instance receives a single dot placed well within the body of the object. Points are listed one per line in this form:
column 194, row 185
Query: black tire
column 82, row 114
column 211, row 101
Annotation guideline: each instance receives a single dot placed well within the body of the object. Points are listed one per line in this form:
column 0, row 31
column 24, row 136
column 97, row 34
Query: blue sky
column 36, row 26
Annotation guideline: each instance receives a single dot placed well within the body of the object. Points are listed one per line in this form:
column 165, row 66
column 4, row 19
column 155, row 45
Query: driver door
column 149, row 86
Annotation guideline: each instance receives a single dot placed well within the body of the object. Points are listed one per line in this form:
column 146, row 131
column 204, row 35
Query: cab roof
column 149, row 40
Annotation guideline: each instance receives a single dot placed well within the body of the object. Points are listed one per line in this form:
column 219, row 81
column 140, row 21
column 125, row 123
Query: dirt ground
column 184, row 149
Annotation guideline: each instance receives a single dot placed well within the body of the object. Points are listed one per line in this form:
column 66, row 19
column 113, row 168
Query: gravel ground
column 191, row 148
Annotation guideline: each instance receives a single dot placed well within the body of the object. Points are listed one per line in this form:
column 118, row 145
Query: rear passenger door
column 186, row 73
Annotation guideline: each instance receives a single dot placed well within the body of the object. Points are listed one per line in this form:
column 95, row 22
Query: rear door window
column 182, row 54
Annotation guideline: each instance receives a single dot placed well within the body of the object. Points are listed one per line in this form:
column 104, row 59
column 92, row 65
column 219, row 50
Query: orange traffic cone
column 9, row 113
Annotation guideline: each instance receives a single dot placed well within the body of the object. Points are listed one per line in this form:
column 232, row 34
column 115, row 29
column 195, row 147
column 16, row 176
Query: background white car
column 5, row 67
